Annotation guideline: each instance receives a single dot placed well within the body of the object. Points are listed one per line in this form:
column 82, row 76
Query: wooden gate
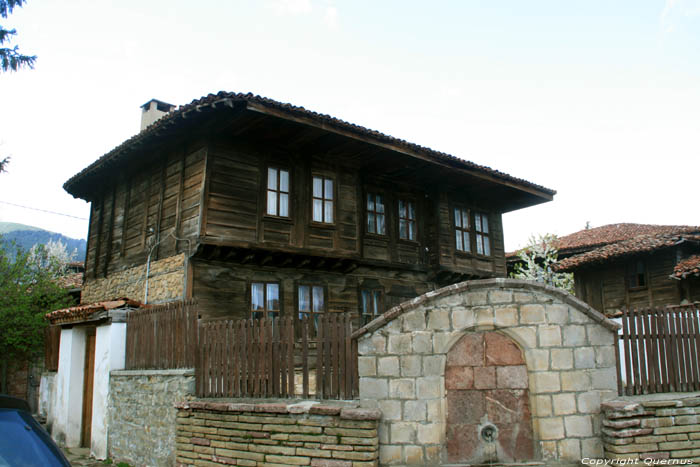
column 88, row 383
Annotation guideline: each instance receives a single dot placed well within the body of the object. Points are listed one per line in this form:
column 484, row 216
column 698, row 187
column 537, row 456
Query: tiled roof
column 229, row 99
column 71, row 281
column 687, row 267
column 82, row 312
column 638, row 244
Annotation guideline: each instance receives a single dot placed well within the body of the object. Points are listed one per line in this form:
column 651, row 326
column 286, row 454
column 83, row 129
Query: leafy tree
column 537, row 259
column 28, row 289
column 10, row 57
column 3, row 163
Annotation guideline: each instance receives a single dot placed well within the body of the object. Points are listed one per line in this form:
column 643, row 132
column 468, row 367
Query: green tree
column 536, row 263
column 3, row 164
column 28, row 289
column 10, row 57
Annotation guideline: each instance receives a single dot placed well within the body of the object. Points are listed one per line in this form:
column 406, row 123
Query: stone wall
column 567, row 347
column 653, row 428
column 306, row 433
column 165, row 282
column 142, row 416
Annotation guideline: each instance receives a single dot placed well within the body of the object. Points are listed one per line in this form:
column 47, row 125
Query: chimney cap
column 160, row 105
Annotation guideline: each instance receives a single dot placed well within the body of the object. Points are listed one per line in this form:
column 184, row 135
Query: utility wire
column 43, row 210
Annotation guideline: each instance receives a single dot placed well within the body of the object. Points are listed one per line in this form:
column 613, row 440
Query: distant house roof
column 71, row 281
column 688, row 267
column 85, row 312
column 637, row 244
column 190, row 113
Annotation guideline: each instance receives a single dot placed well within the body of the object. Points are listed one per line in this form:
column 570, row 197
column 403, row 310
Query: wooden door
column 88, row 382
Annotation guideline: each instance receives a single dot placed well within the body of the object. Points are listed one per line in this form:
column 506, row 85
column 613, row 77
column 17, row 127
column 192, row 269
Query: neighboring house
column 632, row 265
column 257, row 207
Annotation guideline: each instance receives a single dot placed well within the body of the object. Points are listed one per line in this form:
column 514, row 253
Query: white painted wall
column 110, row 354
column 68, row 402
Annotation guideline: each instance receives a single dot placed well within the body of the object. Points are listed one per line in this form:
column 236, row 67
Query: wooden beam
column 108, row 251
column 125, row 218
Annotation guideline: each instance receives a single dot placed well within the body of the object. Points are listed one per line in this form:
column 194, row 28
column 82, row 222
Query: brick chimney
column 153, row 110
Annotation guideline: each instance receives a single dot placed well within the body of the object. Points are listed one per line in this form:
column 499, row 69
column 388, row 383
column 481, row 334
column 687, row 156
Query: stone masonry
column 166, row 280
column 276, row 434
column 568, row 351
column 653, row 429
column 142, row 416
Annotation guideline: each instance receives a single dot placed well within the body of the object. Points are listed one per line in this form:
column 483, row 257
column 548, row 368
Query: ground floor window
column 371, row 303
column 264, row 299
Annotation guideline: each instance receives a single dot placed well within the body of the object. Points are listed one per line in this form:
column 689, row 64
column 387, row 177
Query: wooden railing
column 659, row 350
column 162, row 337
column 264, row 358
column 52, row 342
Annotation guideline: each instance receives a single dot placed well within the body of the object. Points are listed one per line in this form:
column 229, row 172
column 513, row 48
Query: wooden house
column 632, row 265
column 255, row 207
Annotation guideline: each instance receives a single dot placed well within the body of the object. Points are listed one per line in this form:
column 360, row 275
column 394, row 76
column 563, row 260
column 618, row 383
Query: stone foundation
column 661, row 429
column 165, row 283
column 305, row 433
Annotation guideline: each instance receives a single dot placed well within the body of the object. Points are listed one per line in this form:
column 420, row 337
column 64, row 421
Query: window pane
column 318, row 299
column 479, row 244
column 318, row 187
column 318, row 210
column 304, row 298
column 284, row 205
column 411, row 211
column 375, row 302
column 477, row 222
column 459, row 240
column 273, row 297
column 465, row 219
column 403, row 229
column 484, row 223
column 365, row 302
column 256, row 296
column 371, row 226
column 380, row 203
column 487, row 246
column 381, row 227
column 272, row 179
column 272, row 203
column 402, row 208
column 328, row 189
column 284, row 181
column 411, row 231
column 328, row 212
column 466, row 242
column 370, row 203
column 458, row 218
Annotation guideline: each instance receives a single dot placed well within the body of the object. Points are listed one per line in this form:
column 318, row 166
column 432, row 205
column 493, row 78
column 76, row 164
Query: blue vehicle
column 23, row 442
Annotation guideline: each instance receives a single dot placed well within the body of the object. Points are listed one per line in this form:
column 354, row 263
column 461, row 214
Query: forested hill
column 27, row 236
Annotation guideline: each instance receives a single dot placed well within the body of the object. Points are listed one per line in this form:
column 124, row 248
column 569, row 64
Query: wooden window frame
column 380, row 304
column 480, row 234
column 324, row 200
column 278, row 192
column 414, row 221
column 633, row 275
column 464, row 230
column 375, row 213
column 265, row 312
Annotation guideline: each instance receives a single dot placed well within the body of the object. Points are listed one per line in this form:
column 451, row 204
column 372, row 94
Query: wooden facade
column 201, row 185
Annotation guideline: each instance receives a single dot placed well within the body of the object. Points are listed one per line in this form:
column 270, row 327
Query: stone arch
column 567, row 347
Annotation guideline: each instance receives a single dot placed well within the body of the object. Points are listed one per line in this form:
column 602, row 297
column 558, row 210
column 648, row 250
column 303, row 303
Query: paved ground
column 81, row 457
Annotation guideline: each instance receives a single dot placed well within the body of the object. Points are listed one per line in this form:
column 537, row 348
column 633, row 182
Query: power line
column 43, row 210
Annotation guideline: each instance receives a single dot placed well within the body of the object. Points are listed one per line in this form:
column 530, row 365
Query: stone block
column 604, row 356
column 414, row 410
column 484, row 377
column 483, row 316
column 433, row 365
column 429, row 387
column 439, row 320
column 549, row 335
column 506, row 316
column 569, row 449
column 578, row 426
column 584, row 357
column 526, row 336
column 589, row 402
column 604, row 378
column 564, row 404
column 462, row 318
column 390, row 454
column 403, row 388
column 537, row 359
column 551, row 428
column 501, row 350
column 391, row 409
column 574, row 335
column 430, row 433
column 476, row 298
column 414, row 321
column 422, row 342
column 500, row 296
column 410, row 365
column 442, row 342
column 543, row 405
column 562, row 359
column 374, row 388
column 532, row 314
column 598, row 335
column 435, row 409
column 399, row 344
column 549, row 450
column 402, row 432
column 592, row 448
column 511, row 377
column 388, row 366
column 544, row 382
column 459, row 377
column 557, row 313
column 467, row 351
column 578, row 317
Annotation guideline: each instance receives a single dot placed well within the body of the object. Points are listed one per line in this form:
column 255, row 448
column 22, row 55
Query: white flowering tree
column 536, row 261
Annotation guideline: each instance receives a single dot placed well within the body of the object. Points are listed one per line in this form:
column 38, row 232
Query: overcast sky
column 599, row 100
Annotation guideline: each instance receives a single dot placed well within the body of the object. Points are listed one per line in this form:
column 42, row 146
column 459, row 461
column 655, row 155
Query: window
column 323, row 200
column 462, row 242
column 637, row 274
column 407, row 220
column 371, row 302
column 481, row 226
column 264, row 299
column 311, row 301
column 277, row 192
column 376, row 219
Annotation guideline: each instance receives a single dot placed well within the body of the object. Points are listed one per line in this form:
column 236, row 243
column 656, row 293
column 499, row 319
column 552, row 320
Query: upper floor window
column 376, row 218
column 322, row 199
column 462, row 242
column 481, row 226
column 277, row 192
column 407, row 220
column 637, row 274
column 264, row 299
column 371, row 302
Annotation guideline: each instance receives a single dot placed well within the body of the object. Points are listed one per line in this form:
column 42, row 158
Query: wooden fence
column 163, row 336
column 660, row 350
column 52, row 342
column 264, row 358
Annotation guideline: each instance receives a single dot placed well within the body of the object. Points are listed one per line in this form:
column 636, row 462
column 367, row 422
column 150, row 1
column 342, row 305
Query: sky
column 599, row 100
